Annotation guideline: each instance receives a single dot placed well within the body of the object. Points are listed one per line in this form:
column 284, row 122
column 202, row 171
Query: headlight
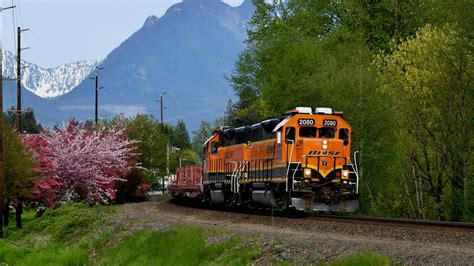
column 345, row 174
column 307, row 172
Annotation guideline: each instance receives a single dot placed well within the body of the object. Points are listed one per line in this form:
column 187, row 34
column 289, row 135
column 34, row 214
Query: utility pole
column 169, row 149
column 167, row 166
column 2, row 166
column 18, row 79
column 97, row 88
column 161, row 108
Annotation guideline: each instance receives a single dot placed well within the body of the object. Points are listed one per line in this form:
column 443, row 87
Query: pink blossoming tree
column 83, row 162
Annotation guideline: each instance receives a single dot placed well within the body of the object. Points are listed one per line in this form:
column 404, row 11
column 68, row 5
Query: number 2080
column 306, row 122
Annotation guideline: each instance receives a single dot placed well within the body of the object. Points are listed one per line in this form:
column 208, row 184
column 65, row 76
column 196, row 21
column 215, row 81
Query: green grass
column 62, row 236
column 180, row 246
column 74, row 234
column 367, row 258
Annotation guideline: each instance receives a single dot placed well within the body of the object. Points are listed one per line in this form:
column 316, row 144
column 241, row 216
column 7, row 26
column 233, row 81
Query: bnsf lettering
column 306, row 122
column 328, row 153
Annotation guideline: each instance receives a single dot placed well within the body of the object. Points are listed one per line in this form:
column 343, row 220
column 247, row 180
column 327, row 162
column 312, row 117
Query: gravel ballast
column 306, row 241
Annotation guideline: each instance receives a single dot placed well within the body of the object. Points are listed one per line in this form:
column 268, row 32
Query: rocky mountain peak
column 150, row 21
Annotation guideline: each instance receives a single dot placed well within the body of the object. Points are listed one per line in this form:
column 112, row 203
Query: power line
column 51, row 47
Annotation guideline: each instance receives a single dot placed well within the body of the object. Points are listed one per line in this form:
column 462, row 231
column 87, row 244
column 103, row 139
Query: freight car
column 186, row 183
column 300, row 160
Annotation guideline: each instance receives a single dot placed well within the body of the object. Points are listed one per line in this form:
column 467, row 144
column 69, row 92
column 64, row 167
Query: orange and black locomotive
column 300, row 160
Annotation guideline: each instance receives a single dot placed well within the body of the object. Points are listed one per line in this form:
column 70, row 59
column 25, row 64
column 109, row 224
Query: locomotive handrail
column 232, row 176
column 294, row 173
column 289, row 161
column 242, row 164
column 356, row 171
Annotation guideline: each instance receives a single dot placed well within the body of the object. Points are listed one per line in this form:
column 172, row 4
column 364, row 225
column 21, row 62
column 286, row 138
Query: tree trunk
column 18, row 212
column 418, row 202
column 6, row 213
column 1, row 219
column 457, row 198
column 439, row 198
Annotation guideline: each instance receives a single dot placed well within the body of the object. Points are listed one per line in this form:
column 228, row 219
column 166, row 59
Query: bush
column 132, row 189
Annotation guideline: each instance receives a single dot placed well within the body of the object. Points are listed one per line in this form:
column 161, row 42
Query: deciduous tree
column 430, row 77
column 85, row 161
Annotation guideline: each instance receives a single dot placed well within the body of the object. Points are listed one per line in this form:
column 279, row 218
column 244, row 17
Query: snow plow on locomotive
column 298, row 161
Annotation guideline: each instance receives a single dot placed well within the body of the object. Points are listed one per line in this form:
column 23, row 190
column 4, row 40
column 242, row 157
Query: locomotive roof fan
column 323, row 110
column 304, row 110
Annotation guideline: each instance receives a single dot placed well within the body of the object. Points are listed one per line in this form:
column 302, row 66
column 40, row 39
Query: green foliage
column 200, row 136
column 430, row 77
column 152, row 142
column 180, row 246
column 180, row 136
column 18, row 166
column 189, row 157
column 382, row 21
column 454, row 12
column 28, row 120
column 366, row 258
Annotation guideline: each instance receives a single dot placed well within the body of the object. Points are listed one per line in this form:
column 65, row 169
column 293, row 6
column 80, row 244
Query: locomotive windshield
column 326, row 133
column 308, row 132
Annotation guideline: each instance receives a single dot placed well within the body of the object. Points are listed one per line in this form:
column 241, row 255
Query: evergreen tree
column 18, row 172
column 28, row 120
column 180, row 137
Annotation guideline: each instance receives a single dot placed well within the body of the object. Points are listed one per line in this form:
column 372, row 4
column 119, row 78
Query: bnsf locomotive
column 300, row 160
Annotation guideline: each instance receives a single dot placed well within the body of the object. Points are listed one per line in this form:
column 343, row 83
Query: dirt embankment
column 311, row 241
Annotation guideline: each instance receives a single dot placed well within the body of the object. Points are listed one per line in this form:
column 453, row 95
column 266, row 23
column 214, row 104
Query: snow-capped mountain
column 48, row 82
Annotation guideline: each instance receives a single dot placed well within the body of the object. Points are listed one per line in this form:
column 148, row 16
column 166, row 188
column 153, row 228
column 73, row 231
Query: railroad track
column 394, row 221
column 340, row 218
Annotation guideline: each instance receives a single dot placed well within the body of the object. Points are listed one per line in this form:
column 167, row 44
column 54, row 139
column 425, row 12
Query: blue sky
column 65, row 31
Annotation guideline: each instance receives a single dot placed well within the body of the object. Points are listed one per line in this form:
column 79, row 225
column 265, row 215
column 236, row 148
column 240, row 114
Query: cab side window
column 290, row 134
column 344, row 135
column 214, row 147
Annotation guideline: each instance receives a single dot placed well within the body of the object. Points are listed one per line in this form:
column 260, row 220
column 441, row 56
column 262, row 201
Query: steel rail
column 397, row 221
column 328, row 217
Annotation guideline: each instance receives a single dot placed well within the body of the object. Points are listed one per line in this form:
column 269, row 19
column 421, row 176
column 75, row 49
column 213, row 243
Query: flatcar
column 300, row 160
column 186, row 183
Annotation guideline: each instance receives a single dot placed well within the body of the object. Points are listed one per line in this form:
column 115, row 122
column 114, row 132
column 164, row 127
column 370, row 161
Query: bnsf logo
column 329, row 153
column 306, row 122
